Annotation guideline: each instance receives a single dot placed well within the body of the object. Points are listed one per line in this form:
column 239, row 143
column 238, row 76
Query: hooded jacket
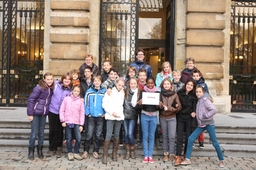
column 201, row 82
column 72, row 110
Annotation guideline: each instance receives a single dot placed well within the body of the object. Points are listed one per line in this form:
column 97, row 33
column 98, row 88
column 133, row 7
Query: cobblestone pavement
column 18, row 161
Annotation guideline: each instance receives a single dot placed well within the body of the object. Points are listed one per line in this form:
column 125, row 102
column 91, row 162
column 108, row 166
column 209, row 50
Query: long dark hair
column 194, row 86
column 43, row 84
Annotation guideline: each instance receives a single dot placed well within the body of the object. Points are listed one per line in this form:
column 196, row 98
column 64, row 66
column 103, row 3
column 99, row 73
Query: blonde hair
column 176, row 71
column 89, row 55
column 165, row 64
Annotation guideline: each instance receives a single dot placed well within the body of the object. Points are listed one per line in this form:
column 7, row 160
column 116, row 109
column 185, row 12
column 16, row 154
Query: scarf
column 154, row 89
column 165, row 75
column 167, row 93
column 134, row 97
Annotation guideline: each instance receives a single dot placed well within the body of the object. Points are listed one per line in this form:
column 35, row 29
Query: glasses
column 140, row 54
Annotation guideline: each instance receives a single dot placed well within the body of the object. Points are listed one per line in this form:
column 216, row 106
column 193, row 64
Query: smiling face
column 112, row 75
column 150, row 84
column 196, row 76
column 67, row 81
column 87, row 73
column 167, row 85
column 88, row 60
column 176, row 76
column 140, row 56
column 48, row 80
column 97, row 83
column 131, row 73
column 75, row 76
column 106, row 66
column 190, row 65
column 76, row 91
column 189, row 86
column 133, row 84
column 167, row 68
column 142, row 77
column 120, row 85
column 199, row 92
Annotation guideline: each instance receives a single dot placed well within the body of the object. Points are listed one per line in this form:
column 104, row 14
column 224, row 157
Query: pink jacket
column 72, row 110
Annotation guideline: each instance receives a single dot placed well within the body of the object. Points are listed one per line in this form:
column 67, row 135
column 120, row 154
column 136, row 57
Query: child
column 110, row 82
column 142, row 77
column 95, row 112
column 177, row 84
column 148, row 122
column 205, row 111
column 61, row 89
column 89, row 63
column 75, row 77
column 37, row 110
column 165, row 73
column 132, row 94
column 72, row 118
column 168, row 117
column 130, row 73
column 106, row 69
column 188, row 101
column 113, row 105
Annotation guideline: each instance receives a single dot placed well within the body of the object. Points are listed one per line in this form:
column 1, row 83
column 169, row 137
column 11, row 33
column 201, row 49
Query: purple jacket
column 59, row 93
column 38, row 101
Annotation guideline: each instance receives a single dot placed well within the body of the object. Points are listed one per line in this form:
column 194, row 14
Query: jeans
column 182, row 124
column 148, row 124
column 55, row 132
column 109, row 127
column 168, row 127
column 37, row 129
column 211, row 130
column 129, row 125
column 95, row 125
column 68, row 132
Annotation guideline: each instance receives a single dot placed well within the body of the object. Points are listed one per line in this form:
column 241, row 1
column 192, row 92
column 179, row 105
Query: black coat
column 130, row 112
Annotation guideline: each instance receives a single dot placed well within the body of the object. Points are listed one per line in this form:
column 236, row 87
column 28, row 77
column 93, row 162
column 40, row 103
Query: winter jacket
column 138, row 65
column 95, row 69
column 188, row 102
column 72, row 110
column 59, row 93
column 38, row 101
column 160, row 77
column 130, row 112
column 186, row 75
column 202, row 83
column 170, row 100
column 108, row 84
column 104, row 76
column 205, row 110
column 84, row 86
column 177, row 85
column 113, row 103
column 93, row 102
column 75, row 82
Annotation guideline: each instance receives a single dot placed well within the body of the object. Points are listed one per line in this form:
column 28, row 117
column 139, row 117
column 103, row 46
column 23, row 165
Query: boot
column 105, row 151
column 39, row 152
column 115, row 149
column 178, row 160
column 31, row 153
column 132, row 148
column 59, row 152
column 127, row 155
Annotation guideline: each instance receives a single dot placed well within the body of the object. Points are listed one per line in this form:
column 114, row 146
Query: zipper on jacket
column 46, row 101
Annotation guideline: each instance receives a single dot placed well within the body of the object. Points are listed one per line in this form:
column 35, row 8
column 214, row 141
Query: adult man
column 89, row 63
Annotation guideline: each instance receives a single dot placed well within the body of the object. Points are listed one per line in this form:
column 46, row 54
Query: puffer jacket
column 84, row 86
column 138, row 65
column 113, row 103
column 170, row 100
column 38, row 101
column 130, row 112
column 188, row 102
column 59, row 93
column 72, row 110
column 177, row 85
column 108, row 84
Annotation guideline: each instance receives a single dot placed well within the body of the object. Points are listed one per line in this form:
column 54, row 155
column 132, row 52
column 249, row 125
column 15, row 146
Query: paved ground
column 18, row 160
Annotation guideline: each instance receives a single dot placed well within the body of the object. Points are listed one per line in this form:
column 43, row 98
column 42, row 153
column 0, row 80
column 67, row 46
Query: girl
column 75, row 77
column 165, row 73
column 61, row 89
column 148, row 122
column 205, row 111
column 130, row 73
column 188, row 101
column 170, row 105
column 72, row 118
column 113, row 105
column 132, row 94
column 37, row 110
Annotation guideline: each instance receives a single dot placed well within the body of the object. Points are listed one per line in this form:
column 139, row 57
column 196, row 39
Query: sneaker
column 222, row 164
column 77, row 156
column 64, row 142
column 150, row 160
column 145, row 160
column 70, row 156
column 166, row 157
column 85, row 155
column 201, row 145
column 186, row 162
column 50, row 153
column 96, row 155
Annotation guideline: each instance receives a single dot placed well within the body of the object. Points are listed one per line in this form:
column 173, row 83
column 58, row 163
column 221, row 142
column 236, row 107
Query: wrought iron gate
column 243, row 56
column 22, row 49
column 119, row 32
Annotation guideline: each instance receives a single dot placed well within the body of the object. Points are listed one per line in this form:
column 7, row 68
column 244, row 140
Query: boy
column 95, row 113
column 89, row 63
column 106, row 69
column 75, row 76
column 142, row 77
column 110, row 82
column 177, row 84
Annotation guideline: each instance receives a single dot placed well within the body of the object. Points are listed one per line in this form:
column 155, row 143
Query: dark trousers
column 55, row 132
column 183, row 125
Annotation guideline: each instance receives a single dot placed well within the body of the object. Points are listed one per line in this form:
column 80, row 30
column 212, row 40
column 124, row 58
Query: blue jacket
column 201, row 82
column 160, row 78
column 38, row 101
column 138, row 65
column 93, row 102
column 59, row 93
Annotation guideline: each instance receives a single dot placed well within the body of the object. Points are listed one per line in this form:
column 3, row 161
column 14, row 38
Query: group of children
column 90, row 101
